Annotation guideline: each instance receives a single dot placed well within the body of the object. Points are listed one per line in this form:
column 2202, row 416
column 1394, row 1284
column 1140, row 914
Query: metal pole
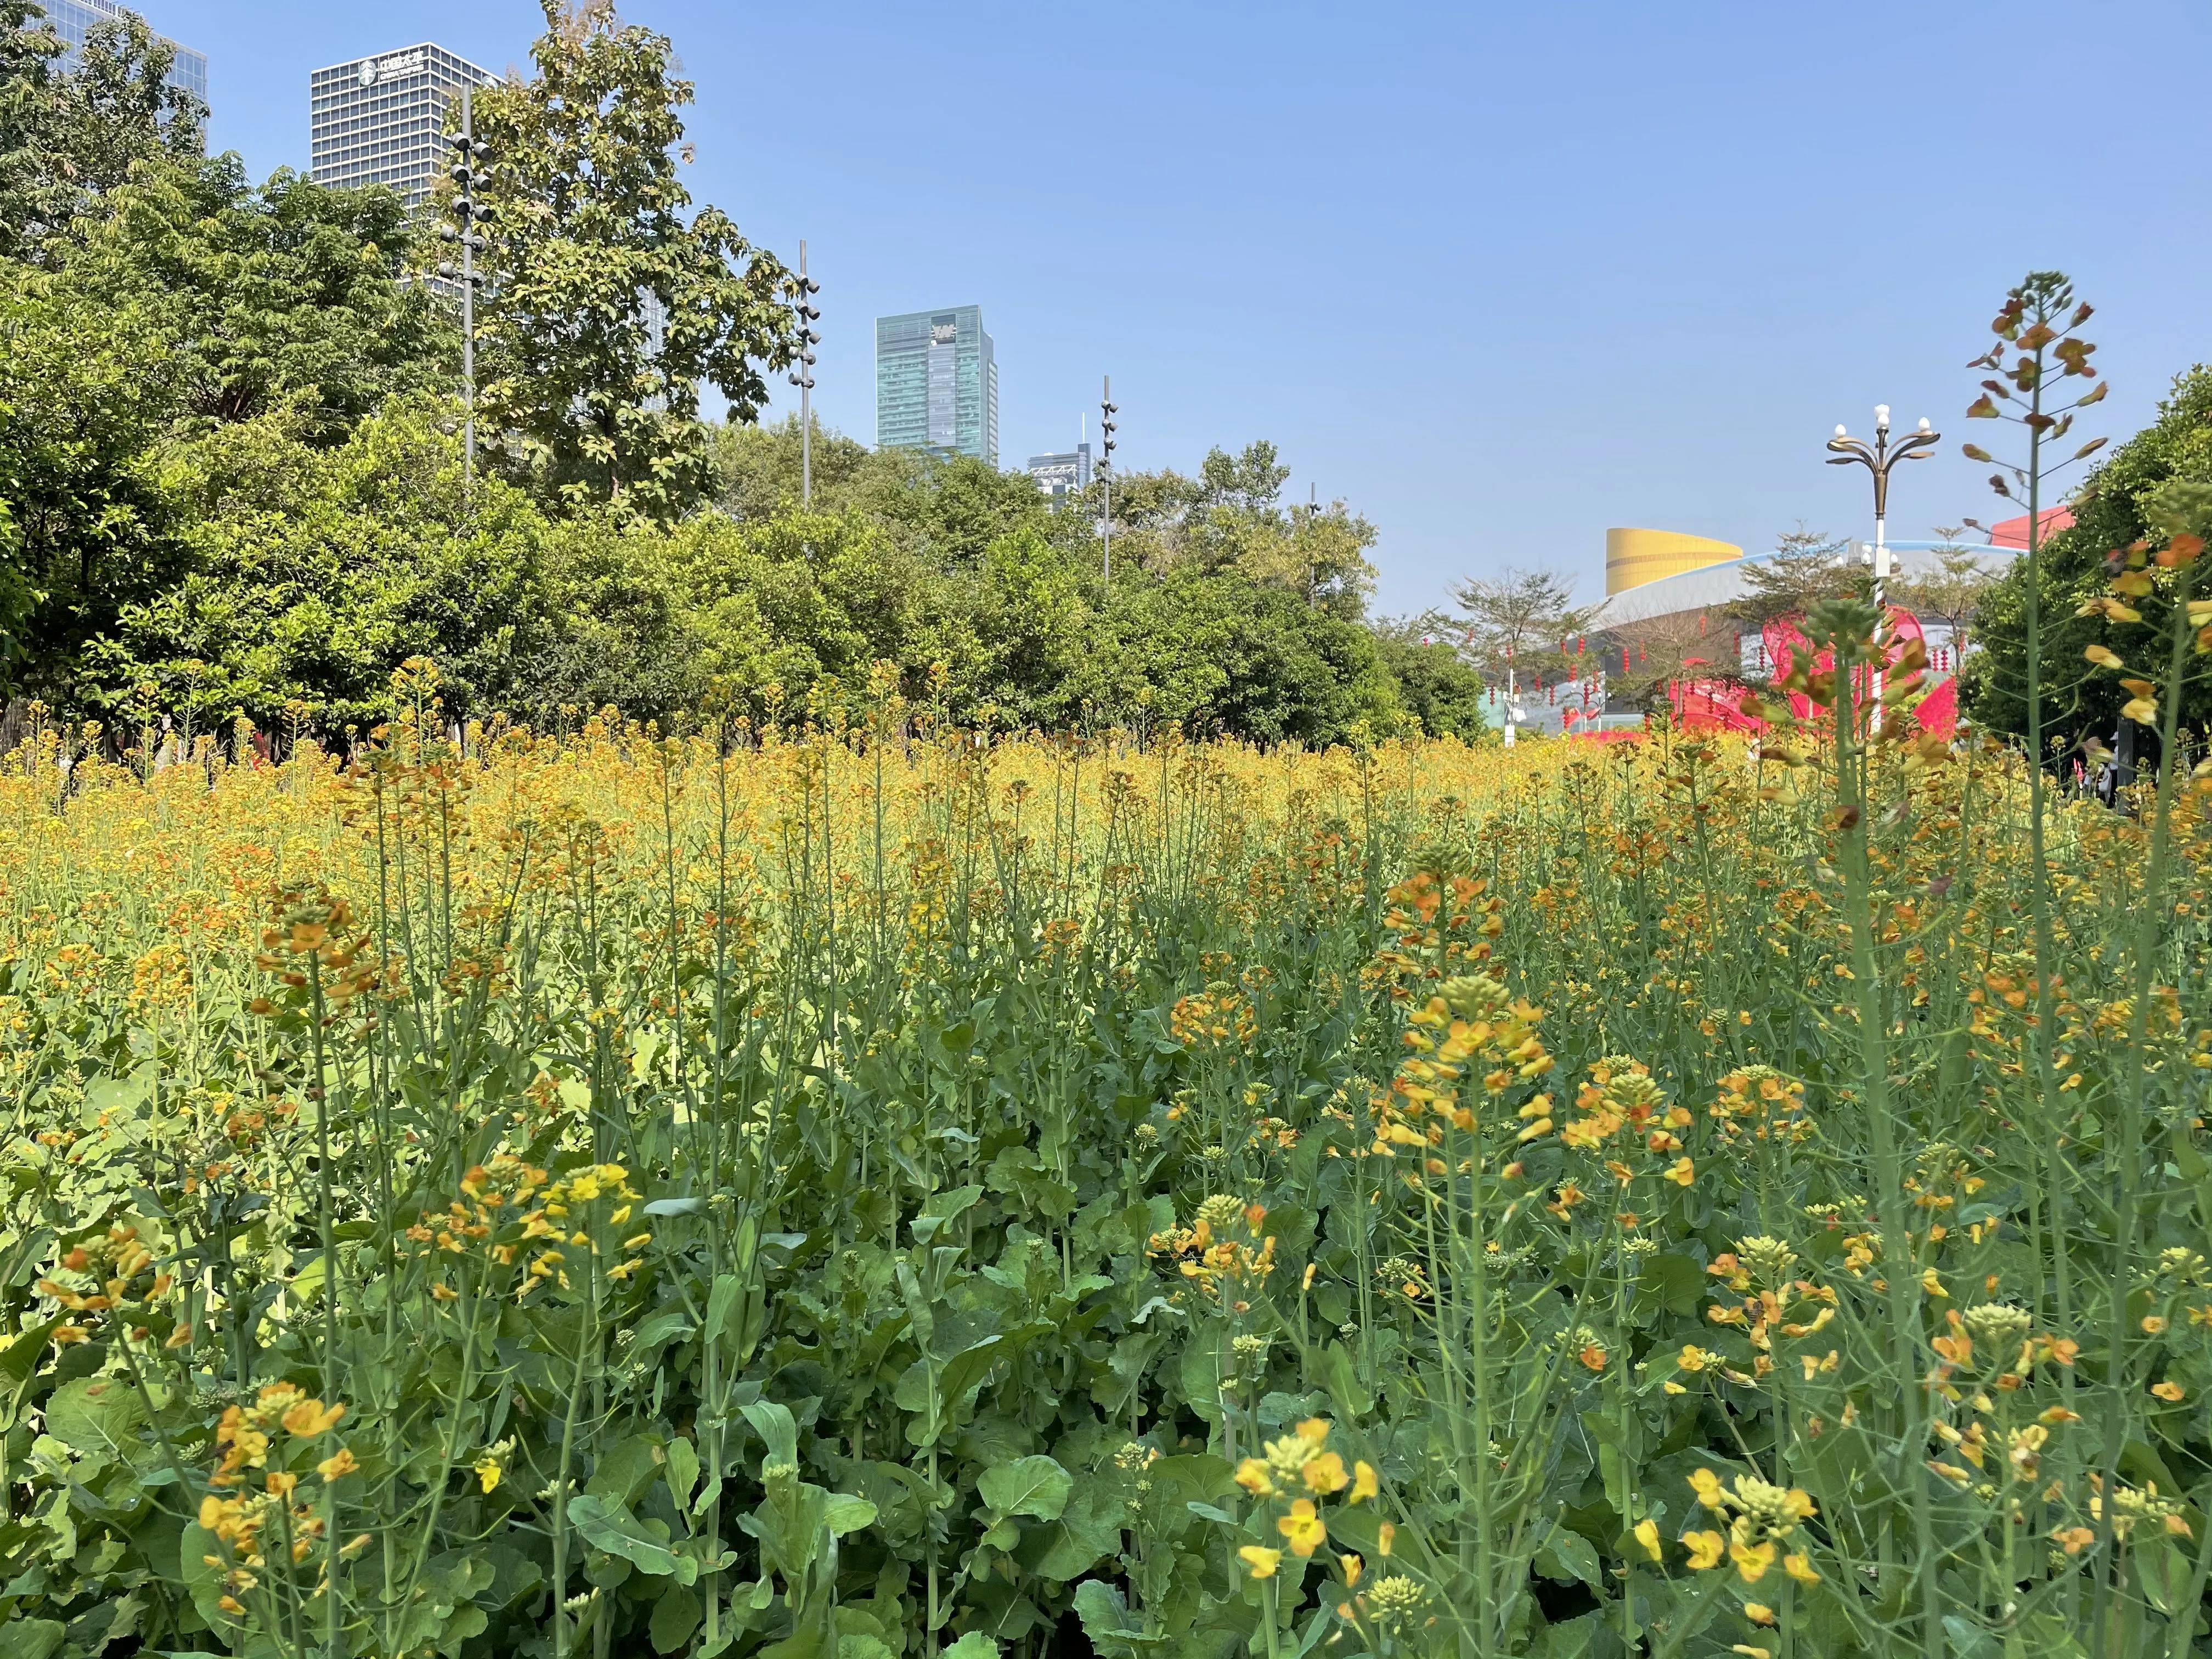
column 1881, row 561
column 806, row 408
column 1105, row 473
column 802, row 376
column 469, row 315
column 1881, row 613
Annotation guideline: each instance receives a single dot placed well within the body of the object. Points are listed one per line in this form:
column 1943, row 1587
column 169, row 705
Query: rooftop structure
column 1633, row 557
column 2013, row 532
column 1062, row 474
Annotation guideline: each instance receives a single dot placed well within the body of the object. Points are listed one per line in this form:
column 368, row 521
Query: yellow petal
column 1325, row 1474
column 1751, row 1560
column 1261, row 1561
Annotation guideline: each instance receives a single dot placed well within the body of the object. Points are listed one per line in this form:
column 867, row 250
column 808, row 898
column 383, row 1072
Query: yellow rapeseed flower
column 1751, row 1560
column 1303, row 1527
column 1325, row 1474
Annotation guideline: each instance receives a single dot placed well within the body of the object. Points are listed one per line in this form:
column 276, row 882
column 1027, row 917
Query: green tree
column 85, row 395
column 949, row 508
column 186, row 303
column 29, row 46
column 605, row 627
column 1435, row 685
column 1950, row 592
column 291, row 291
column 1299, row 674
column 68, row 138
column 2112, row 510
column 1807, row 566
column 780, row 604
column 1231, row 516
column 759, row 466
column 313, row 571
column 1517, row 621
column 608, row 306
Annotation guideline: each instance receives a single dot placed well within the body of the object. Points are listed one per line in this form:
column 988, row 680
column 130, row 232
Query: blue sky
column 1499, row 275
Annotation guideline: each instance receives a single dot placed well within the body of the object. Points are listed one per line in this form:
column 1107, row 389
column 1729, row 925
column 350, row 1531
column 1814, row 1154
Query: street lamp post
column 468, row 174
column 1878, row 458
column 1106, row 410
column 803, row 376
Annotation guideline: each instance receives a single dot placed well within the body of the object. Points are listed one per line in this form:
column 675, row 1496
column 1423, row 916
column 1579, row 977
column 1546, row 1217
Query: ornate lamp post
column 1878, row 458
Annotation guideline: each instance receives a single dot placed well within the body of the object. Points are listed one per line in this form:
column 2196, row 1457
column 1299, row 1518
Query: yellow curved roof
column 1633, row 557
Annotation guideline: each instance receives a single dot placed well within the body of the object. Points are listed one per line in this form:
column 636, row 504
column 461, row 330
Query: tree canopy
column 2112, row 508
column 607, row 304
column 68, row 139
column 231, row 480
column 1519, row 622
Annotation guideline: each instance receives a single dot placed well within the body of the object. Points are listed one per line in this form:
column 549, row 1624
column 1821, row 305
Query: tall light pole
column 1106, row 410
column 468, row 174
column 1878, row 458
column 803, row 376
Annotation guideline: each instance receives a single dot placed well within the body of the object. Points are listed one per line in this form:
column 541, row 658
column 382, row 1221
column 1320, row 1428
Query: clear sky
column 1499, row 275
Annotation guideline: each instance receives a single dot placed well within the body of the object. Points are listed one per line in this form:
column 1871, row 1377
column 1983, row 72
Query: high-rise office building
column 73, row 20
column 1062, row 474
column 381, row 120
column 937, row 384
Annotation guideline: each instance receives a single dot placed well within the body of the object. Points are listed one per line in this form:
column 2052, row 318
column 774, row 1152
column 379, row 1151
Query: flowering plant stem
column 2151, row 914
column 1852, row 638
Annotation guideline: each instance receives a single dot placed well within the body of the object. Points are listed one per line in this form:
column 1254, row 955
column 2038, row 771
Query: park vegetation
column 814, row 1187
column 232, row 473
column 601, row 1060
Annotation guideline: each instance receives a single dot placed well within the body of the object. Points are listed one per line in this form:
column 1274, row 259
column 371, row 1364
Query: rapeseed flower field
column 857, row 1189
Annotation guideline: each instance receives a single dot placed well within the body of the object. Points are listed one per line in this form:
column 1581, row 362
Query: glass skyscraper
column 937, row 384
column 381, row 120
column 73, row 20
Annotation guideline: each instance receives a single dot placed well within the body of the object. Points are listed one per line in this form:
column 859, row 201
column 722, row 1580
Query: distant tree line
column 231, row 481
